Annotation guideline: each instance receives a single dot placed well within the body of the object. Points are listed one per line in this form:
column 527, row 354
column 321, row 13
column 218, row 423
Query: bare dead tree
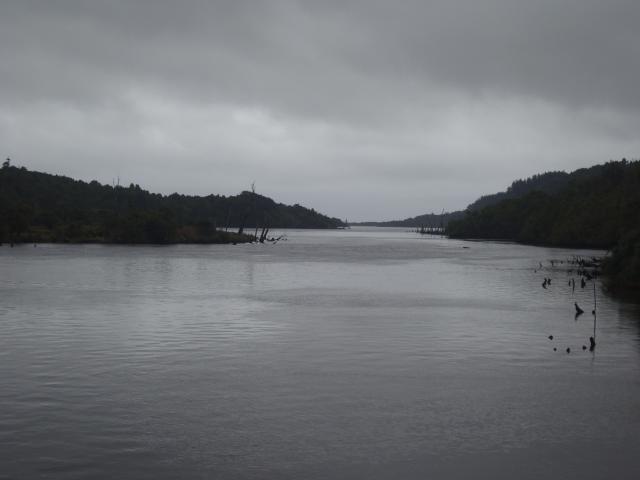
column 263, row 234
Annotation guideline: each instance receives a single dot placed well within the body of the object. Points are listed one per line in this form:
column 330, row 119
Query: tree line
column 40, row 207
column 598, row 207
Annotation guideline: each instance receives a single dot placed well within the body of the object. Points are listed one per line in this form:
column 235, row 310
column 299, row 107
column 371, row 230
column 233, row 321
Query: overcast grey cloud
column 365, row 110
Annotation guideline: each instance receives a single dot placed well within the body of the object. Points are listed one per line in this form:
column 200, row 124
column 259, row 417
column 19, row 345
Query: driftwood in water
column 263, row 234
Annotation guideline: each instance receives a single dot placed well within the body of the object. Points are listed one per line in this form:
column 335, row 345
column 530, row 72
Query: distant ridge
column 596, row 207
column 585, row 208
column 549, row 183
column 36, row 206
column 426, row 220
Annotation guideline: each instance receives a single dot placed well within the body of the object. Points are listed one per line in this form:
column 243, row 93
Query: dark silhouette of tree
column 37, row 206
column 597, row 207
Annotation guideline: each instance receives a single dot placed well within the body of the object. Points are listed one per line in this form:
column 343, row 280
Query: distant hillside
column 598, row 207
column 426, row 220
column 37, row 206
column 550, row 182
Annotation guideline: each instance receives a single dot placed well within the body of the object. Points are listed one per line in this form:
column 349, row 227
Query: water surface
column 366, row 353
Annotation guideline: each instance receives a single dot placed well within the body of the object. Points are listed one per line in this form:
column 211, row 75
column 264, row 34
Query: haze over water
column 369, row 353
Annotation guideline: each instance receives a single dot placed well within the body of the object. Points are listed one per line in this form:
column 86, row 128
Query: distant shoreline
column 38, row 207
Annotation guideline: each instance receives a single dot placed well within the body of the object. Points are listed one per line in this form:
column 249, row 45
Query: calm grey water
column 335, row 354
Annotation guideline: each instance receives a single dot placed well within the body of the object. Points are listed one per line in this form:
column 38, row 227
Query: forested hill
column 549, row 182
column 37, row 206
column 426, row 220
column 598, row 207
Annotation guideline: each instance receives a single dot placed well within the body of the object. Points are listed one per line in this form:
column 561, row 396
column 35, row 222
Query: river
column 364, row 353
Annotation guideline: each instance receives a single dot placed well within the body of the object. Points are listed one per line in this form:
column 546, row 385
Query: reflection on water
column 350, row 354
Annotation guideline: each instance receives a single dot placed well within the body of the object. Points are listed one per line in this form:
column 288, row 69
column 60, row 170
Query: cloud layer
column 365, row 110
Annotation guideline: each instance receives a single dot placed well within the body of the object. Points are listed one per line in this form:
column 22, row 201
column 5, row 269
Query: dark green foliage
column 426, row 220
column 623, row 265
column 597, row 207
column 37, row 206
column 550, row 183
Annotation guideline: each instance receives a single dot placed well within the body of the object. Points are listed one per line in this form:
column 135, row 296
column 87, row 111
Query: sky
column 366, row 110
